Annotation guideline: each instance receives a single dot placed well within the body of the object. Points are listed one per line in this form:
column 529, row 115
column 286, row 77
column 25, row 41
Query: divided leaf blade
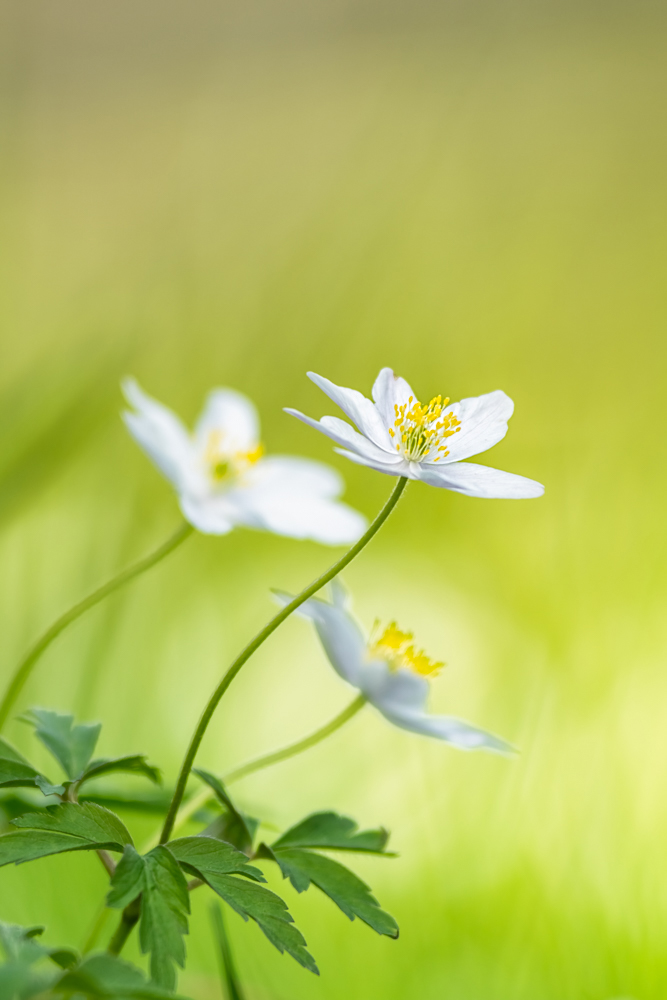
column 237, row 829
column 70, row 827
column 334, row 832
column 71, row 745
column 205, row 856
column 131, row 764
column 269, row 911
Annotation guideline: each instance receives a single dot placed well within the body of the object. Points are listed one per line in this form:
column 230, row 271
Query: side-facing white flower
column 390, row 672
column 223, row 479
column 400, row 436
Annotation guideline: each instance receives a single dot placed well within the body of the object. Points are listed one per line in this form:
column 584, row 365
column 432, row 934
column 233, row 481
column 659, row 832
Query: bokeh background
column 471, row 192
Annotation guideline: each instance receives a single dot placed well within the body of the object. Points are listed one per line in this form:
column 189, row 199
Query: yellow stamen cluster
column 419, row 429
column 397, row 649
column 225, row 465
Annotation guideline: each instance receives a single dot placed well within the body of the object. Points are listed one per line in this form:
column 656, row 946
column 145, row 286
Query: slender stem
column 203, row 797
column 26, row 665
column 230, row 980
column 257, row 642
column 128, row 921
column 305, row 744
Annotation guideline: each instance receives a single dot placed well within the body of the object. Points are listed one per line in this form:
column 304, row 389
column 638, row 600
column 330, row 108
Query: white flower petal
column 233, row 416
column 296, row 497
column 451, row 730
column 340, row 636
column 401, row 697
column 343, row 434
column 161, row 434
column 209, row 514
column 389, row 391
column 480, row 481
column 360, row 410
column 397, row 467
column 483, row 424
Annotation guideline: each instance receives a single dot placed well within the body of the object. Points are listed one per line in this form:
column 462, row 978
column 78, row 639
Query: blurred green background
column 473, row 193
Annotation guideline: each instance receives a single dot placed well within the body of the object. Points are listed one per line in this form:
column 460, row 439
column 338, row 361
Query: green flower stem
column 198, row 801
column 257, row 642
column 228, row 975
column 128, row 921
column 26, row 665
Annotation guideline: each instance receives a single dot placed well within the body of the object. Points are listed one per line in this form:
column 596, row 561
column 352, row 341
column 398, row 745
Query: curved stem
column 295, row 748
column 26, row 665
column 257, row 642
column 128, row 921
column 203, row 797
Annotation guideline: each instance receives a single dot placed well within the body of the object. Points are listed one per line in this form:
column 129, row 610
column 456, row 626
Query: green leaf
column 234, row 827
column 18, row 978
column 153, row 801
column 71, row 745
column 17, row 772
column 335, row 832
column 70, row 827
column 132, row 764
column 268, row 910
column 204, row 856
column 165, row 905
column 127, row 882
column 103, row 976
column 340, row 884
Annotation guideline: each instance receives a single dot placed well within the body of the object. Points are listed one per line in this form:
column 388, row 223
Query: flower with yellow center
column 390, row 672
column 400, row 436
column 223, row 478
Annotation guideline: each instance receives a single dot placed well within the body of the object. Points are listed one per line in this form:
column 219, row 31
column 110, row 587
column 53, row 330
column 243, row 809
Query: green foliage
column 132, row 764
column 268, row 910
column 233, row 826
column 205, row 856
column 330, row 830
column 165, row 906
column 19, row 979
column 340, row 884
column 72, row 746
column 69, row 827
column 305, row 867
column 217, row 863
column 17, row 772
column 102, row 976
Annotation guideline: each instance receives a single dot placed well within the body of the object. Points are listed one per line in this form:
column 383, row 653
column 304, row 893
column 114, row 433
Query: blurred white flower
column 402, row 437
column 390, row 672
column 223, row 479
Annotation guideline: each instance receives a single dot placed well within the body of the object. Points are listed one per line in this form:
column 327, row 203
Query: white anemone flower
column 223, row 479
column 400, row 436
column 390, row 672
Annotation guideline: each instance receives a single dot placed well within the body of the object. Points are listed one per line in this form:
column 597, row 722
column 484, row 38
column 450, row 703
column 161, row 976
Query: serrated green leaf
column 165, row 905
column 204, row 856
column 335, row 832
column 127, row 882
column 341, row 885
column 71, row 745
column 268, row 910
column 235, row 827
column 132, row 764
column 70, row 827
column 102, row 976
column 164, row 916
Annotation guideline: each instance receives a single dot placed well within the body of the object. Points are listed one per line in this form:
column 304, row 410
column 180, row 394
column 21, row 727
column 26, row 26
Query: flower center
column 418, row 429
column 397, row 649
column 225, row 465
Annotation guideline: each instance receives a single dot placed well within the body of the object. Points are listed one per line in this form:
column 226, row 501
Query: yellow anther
column 396, row 648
